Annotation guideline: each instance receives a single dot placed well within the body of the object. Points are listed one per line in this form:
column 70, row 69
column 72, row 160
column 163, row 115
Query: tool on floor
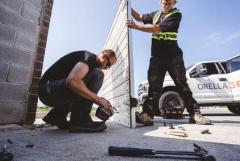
column 5, row 156
column 138, row 152
column 206, row 131
column 170, row 124
column 177, row 133
column 181, row 128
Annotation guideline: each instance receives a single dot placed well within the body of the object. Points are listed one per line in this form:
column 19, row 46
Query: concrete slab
column 51, row 144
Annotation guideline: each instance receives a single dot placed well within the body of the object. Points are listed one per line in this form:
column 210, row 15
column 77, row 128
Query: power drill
column 103, row 113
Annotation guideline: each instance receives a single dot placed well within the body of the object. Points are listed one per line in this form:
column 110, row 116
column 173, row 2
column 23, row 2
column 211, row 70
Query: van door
column 233, row 67
column 211, row 86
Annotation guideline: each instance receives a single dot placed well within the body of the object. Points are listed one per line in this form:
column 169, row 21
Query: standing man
column 165, row 56
column 71, row 85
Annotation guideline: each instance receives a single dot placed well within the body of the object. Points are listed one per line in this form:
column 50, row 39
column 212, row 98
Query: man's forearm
column 80, row 88
column 148, row 28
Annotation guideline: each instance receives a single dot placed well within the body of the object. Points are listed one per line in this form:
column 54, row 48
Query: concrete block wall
column 23, row 35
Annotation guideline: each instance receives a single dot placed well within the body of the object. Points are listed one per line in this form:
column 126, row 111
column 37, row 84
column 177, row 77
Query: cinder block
column 14, row 5
column 19, row 74
column 11, row 92
column 7, row 15
column 19, row 30
column 37, row 3
column 31, row 12
column 26, row 41
column 3, row 71
column 7, row 34
column 28, row 27
column 15, row 56
column 17, row 22
column 12, row 112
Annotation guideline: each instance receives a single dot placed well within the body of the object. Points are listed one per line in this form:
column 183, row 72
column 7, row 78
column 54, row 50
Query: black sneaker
column 61, row 123
column 90, row 127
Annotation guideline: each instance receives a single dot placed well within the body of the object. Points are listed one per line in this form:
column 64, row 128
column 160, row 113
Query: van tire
column 234, row 109
column 174, row 102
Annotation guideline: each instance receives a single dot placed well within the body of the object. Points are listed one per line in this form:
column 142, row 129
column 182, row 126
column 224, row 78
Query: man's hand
column 136, row 15
column 105, row 104
column 145, row 28
column 131, row 24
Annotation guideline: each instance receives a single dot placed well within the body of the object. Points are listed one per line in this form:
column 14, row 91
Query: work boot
column 90, row 127
column 199, row 119
column 87, row 125
column 144, row 118
column 53, row 118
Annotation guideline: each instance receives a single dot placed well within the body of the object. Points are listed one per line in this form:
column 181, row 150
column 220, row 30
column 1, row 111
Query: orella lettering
column 213, row 86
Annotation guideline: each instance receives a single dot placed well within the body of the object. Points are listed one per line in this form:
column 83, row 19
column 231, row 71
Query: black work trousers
column 54, row 93
column 156, row 73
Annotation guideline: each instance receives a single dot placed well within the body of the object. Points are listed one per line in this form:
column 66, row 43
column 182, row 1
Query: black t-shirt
column 163, row 48
column 64, row 65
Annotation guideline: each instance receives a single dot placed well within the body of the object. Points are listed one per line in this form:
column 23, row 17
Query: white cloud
column 221, row 38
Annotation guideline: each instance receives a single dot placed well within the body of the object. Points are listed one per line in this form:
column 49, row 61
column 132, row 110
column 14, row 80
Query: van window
column 211, row 68
column 234, row 64
column 224, row 65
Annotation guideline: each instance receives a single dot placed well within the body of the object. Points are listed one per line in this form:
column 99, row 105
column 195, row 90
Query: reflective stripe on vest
column 164, row 35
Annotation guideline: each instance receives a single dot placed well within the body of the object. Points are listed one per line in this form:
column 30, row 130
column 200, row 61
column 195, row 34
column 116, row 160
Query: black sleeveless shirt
column 64, row 65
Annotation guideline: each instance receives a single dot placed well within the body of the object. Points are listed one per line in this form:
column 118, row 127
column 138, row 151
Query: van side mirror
column 199, row 70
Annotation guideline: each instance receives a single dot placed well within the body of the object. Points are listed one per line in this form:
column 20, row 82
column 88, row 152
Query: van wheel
column 171, row 105
column 234, row 109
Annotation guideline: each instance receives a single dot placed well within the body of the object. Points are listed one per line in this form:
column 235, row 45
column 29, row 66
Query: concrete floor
column 51, row 144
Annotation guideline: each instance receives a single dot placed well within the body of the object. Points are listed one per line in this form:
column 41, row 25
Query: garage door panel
column 118, row 80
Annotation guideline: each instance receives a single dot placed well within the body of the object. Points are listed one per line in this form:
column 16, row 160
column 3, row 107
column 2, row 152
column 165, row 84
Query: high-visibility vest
column 165, row 35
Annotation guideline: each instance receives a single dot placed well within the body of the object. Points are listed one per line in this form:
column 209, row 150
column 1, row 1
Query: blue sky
column 210, row 30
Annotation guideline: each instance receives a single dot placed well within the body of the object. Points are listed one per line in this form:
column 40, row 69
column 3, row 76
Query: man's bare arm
column 75, row 81
column 76, row 84
column 145, row 28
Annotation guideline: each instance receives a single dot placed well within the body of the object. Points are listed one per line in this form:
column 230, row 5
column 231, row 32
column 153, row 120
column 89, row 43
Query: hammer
column 127, row 151
column 203, row 153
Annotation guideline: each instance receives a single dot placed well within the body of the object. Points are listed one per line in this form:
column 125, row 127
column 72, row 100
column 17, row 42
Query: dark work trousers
column 156, row 73
column 55, row 94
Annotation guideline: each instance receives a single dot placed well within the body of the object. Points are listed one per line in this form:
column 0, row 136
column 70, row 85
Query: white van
column 213, row 83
